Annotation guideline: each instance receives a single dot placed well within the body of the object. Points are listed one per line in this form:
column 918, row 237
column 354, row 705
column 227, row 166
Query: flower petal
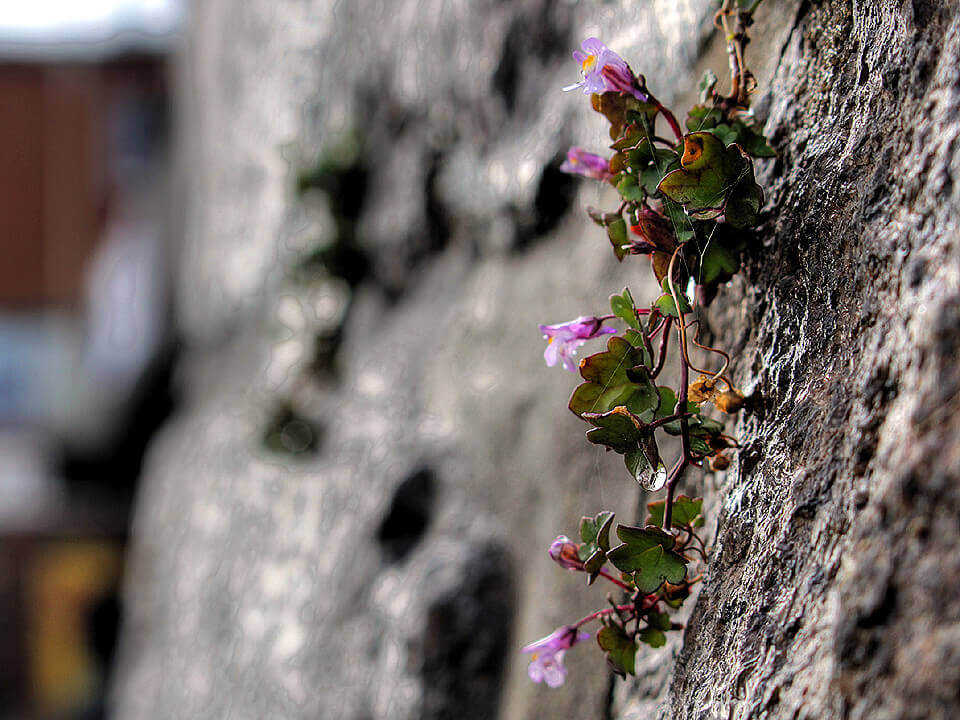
column 535, row 670
column 593, row 45
column 554, row 673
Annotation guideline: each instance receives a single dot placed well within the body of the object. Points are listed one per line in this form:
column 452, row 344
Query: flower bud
column 701, row 389
column 729, row 402
column 719, row 463
column 656, row 231
column 566, row 553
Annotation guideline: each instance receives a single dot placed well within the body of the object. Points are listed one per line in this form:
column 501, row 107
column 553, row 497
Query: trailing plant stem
column 681, row 398
column 615, row 581
column 664, row 342
column 602, row 613
column 669, row 117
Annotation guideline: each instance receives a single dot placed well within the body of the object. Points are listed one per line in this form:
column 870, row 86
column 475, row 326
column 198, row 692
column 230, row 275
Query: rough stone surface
column 832, row 587
column 376, row 562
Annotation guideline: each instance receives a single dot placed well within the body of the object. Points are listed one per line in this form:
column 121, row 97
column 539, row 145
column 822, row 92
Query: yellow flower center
column 588, row 63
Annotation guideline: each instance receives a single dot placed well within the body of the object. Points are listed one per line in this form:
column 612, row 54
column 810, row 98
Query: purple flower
column 604, row 71
column 588, row 164
column 566, row 553
column 564, row 339
column 546, row 663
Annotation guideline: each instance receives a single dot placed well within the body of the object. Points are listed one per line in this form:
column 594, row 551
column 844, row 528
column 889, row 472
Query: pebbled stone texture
column 832, row 590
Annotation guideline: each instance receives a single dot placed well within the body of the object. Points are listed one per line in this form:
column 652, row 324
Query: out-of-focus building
column 84, row 329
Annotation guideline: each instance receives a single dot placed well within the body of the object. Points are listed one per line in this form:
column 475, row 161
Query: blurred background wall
column 86, row 338
column 349, row 513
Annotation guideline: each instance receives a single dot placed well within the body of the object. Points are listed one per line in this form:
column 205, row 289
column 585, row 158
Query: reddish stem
column 670, row 118
column 615, row 581
column 667, row 419
column 684, row 437
column 641, row 312
column 600, row 613
column 664, row 342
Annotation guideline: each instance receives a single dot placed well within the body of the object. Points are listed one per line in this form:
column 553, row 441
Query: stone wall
column 345, row 534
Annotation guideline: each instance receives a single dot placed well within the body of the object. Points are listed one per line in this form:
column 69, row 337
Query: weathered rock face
column 362, row 537
column 832, row 590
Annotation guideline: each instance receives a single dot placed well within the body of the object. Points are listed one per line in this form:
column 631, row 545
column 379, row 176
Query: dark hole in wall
column 506, row 76
column 438, row 221
column 288, row 432
column 398, row 274
column 555, row 193
column 408, row 515
column 344, row 179
column 465, row 639
column 543, row 32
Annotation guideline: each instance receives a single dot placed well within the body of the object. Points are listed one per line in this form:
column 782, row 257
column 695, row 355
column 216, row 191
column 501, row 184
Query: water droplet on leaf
column 651, row 479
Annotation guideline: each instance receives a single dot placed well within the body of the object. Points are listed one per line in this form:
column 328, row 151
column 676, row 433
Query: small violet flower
column 564, row 339
column 546, row 662
column 566, row 553
column 588, row 164
column 604, row 71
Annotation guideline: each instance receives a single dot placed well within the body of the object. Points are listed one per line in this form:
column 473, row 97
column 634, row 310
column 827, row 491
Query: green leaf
column 652, row 637
column 630, row 190
column 620, row 649
column 744, row 203
column 647, row 553
column 713, row 178
column 660, row 621
column 666, row 305
column 608, row 385
column 636, row 462
column 631, row 136
column 636, row 339
column 682, row 225
column 619, row 430
column 718, row 263
column 686, row 511
column 656, row 565
column 748, row 135
column 704, row 433
column 595, row 534
column 700, row 441
column 596, row 560
column 668, row 403
column 617, row 232
column 642, row 114
column 708, row 173
column 702, row 117
column 709, row 425
column 623, row 307
column 752, row 140
column 595, row 528
column 601, row 218
column 651, row 164
column 645, row 399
